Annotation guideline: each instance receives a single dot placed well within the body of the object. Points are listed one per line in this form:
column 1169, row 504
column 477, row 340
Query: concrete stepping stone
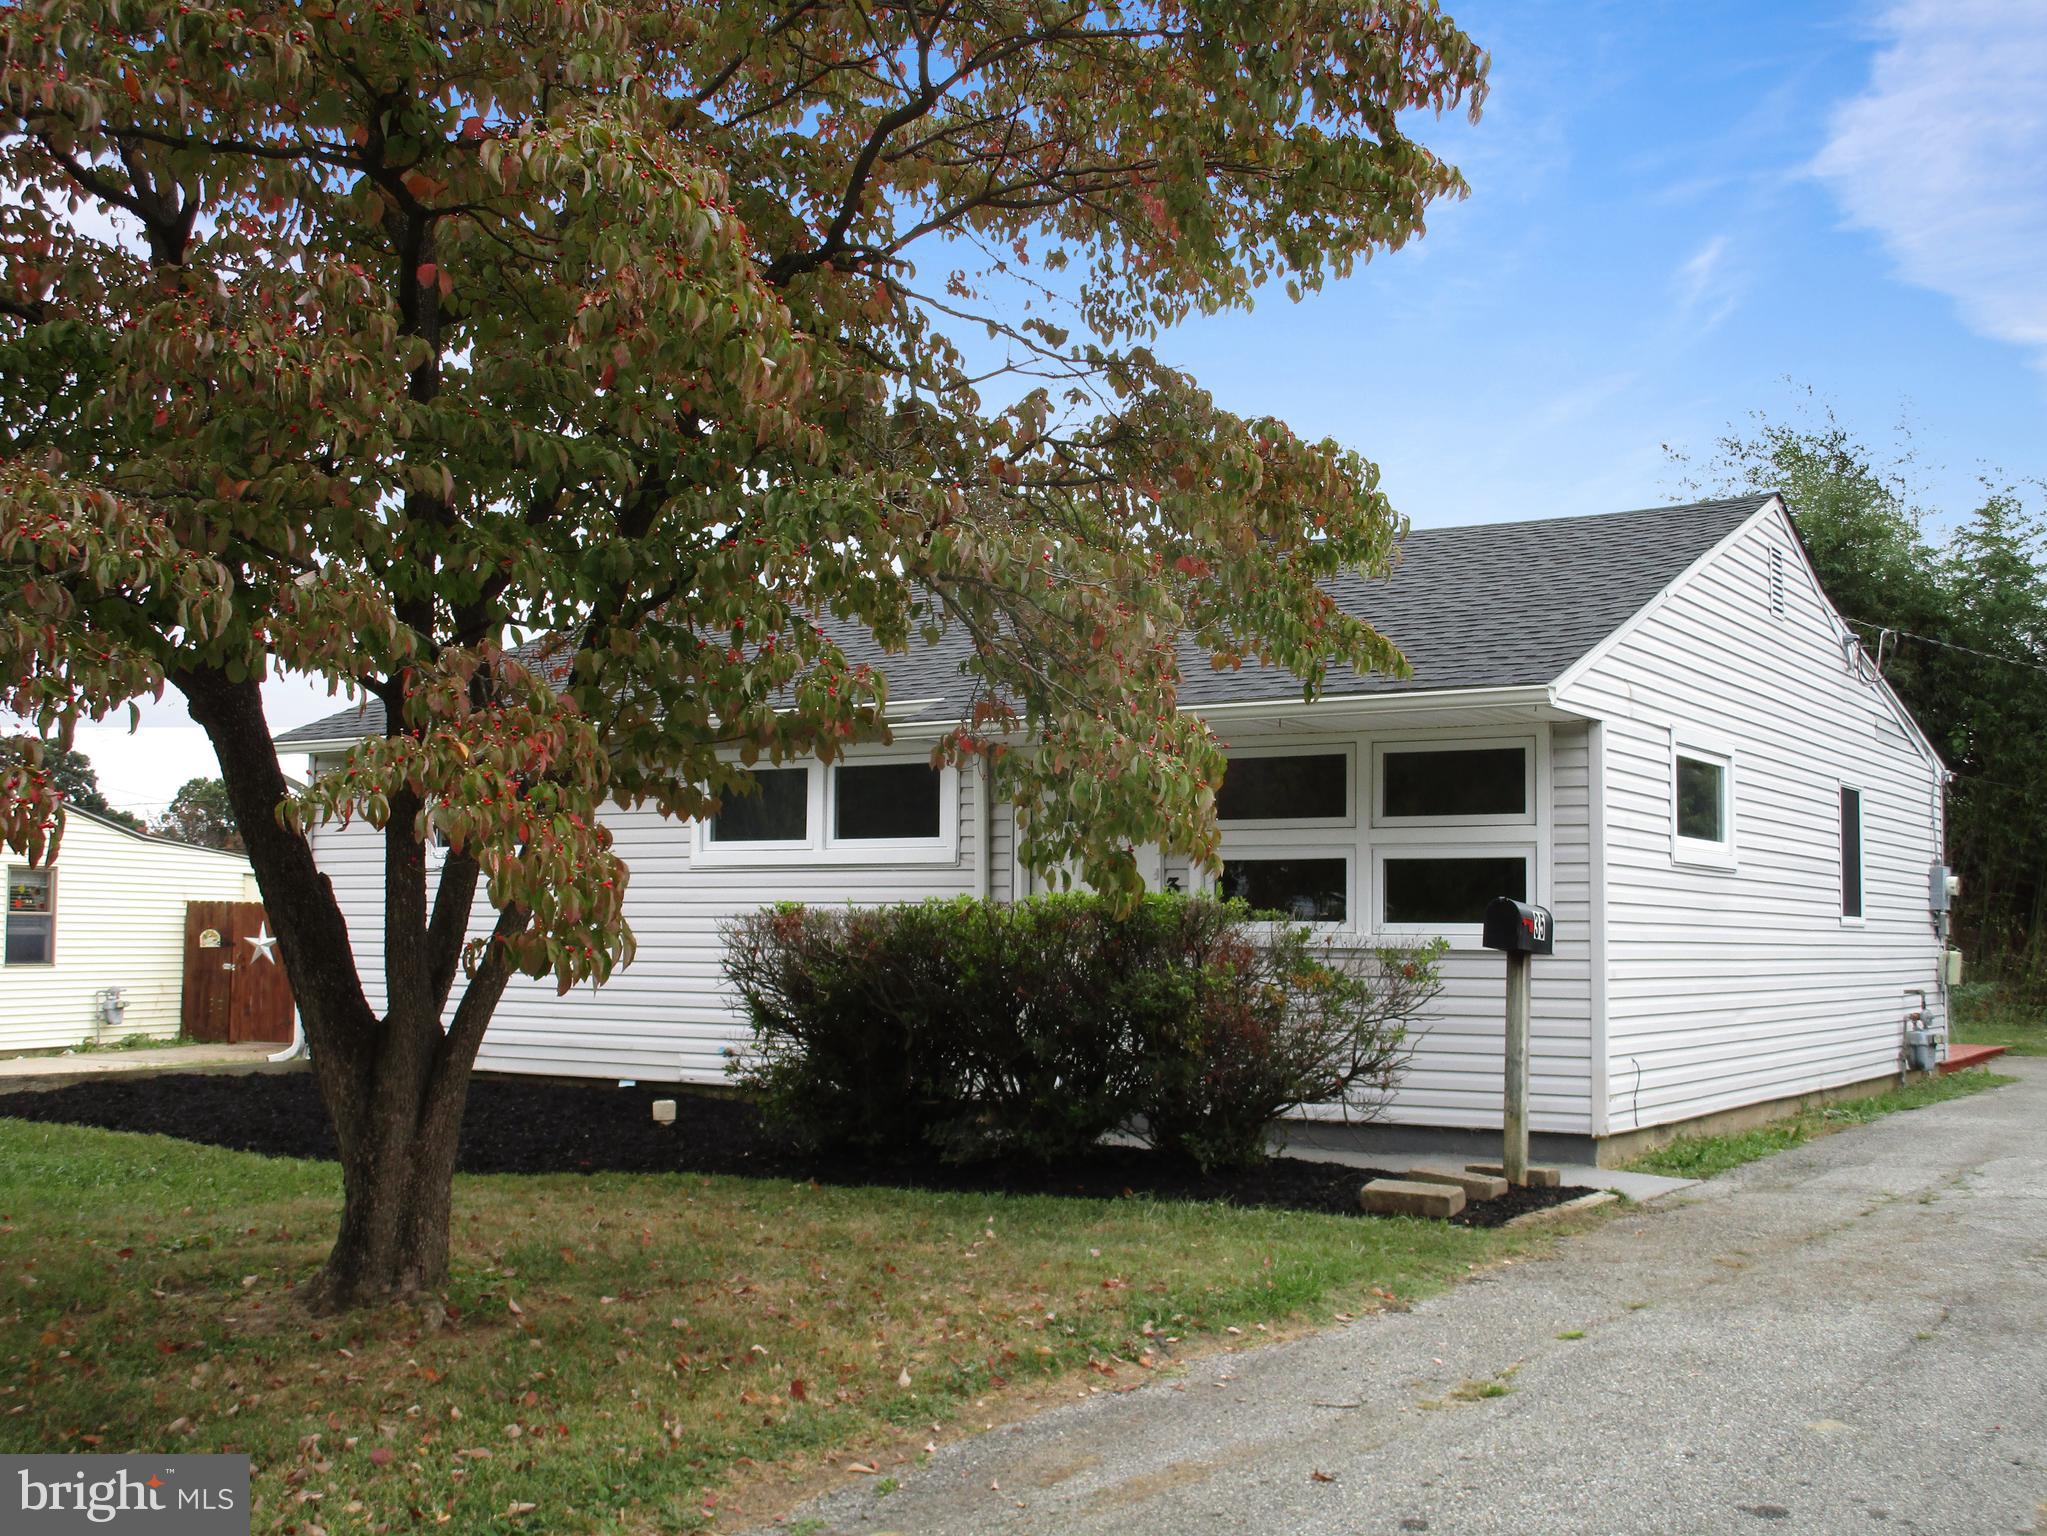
column 1411, row 1197
column 1476, row 1186
column 1539, row 1177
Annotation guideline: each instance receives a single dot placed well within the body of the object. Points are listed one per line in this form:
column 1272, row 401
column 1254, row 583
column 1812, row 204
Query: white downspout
column 297, row 1048
column 984, row 831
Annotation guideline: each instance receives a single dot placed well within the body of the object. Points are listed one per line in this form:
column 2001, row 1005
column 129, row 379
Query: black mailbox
column 1519, row 927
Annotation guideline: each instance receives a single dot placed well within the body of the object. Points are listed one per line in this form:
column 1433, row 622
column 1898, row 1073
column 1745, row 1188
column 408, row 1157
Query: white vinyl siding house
column 1734, row 974
column 114, row 916
column 1652, row 723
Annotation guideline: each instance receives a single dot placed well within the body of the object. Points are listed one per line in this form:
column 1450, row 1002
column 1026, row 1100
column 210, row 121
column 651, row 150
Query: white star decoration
column 262, row 943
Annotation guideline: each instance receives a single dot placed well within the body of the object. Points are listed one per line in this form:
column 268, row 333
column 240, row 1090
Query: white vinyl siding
column 119, row 922
column 669, row 1015
column 1454, row 1077
column 1738, row 984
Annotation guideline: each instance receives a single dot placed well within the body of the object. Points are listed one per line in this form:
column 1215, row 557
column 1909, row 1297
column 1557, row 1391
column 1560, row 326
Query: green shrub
column 1032, row 1030
column 1281, row 1019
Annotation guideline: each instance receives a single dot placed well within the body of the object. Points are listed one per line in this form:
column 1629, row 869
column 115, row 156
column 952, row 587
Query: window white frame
column 1859, row 918
column 1241, row 851
column 1305, row 837
column 818, row 847
column 1347, row 750
column 1381, row 750
column 1698, row 851
column 49, row 875
column 1460, row 935
column 893, row 850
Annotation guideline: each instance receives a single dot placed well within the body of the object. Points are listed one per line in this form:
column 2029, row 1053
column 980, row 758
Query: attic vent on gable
column 1775, row 593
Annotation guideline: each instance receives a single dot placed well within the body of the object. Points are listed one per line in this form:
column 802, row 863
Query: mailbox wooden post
column 1522, row 932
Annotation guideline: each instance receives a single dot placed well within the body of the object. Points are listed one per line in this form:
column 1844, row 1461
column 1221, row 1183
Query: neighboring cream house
column 1652, row 722
column 108, row 912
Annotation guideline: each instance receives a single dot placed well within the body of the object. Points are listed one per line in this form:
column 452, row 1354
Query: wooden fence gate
column 235, row 988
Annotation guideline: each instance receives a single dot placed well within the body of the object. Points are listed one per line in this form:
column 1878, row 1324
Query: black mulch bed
column 542, row 1127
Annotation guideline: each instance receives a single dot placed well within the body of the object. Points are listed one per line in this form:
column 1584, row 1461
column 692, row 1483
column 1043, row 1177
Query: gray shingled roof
column 1492, row 605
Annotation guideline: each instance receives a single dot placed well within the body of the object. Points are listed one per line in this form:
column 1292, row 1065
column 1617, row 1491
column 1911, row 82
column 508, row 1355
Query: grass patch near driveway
column 1703, row 1157
column 622, row 1352
column 1986, row 1014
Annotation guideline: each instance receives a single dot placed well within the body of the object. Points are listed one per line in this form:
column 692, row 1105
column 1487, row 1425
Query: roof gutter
column 1539, row 695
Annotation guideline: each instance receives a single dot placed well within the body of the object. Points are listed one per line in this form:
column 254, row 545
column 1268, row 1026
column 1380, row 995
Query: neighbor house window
column 1451, row 785
column 778, row 811
column 886, row 802
column 1851, row 853
column 1450, row 890
column 1703, row 807
column 31, row 916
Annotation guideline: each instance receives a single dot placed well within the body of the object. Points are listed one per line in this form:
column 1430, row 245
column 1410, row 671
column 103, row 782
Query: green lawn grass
column 1985, row 1014
column 1702, row 1157
column 621, row 1353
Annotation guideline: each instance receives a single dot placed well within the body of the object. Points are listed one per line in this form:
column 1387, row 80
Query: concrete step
column 1539, row 1177
column 1411, row 1197
column 1476, row 1186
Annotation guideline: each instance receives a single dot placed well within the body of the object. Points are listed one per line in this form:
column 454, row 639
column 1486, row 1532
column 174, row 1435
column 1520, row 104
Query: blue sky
column 1676, row 208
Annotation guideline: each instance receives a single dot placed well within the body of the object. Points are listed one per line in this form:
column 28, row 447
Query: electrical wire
column 1946, row 645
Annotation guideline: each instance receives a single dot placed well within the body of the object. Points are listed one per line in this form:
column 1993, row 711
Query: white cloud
column 1944, row 156
column 1706, row 287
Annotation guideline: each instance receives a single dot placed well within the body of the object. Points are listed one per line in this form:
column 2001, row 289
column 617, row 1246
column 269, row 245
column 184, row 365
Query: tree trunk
column 397, row 1171
column 395, row 1086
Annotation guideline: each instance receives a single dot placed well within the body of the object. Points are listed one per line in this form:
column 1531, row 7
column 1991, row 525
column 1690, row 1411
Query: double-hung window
column 869, row 811
column 1287, row 816
column 31, row 916
column 1453, row 830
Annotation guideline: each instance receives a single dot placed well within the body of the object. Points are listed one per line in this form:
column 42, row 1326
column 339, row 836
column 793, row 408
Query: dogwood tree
column 365, row 341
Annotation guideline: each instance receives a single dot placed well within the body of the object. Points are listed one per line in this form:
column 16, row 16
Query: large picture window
column 778, row 811
column 883, row 802
column 31, row 916
column 1454, row 784
column 892, row 811
column 1282, row 812
column 1295, row 787
column 1433, row 891
column 1307, row 890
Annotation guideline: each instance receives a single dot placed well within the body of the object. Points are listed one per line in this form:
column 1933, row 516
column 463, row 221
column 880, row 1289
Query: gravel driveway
column 1851, row 1336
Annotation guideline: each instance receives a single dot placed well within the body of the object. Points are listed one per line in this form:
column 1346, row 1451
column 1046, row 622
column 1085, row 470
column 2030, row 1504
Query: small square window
column 1449, row 891
column 1306, row 890
column 886, row 802
column 1851, row 852
column 1701, row 800
column 778, row 811
column 31, row 916
column 1300, row 787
